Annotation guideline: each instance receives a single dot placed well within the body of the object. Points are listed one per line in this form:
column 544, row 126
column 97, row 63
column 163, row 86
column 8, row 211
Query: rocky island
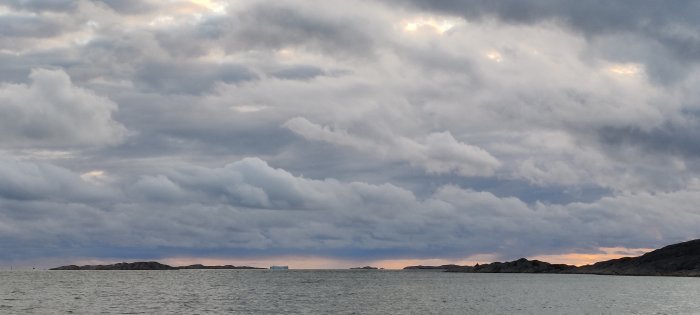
column 682, row 259
column 441, row 267
column 146, row 265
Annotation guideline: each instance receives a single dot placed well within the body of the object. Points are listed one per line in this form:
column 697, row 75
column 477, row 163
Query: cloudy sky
column 338, row 133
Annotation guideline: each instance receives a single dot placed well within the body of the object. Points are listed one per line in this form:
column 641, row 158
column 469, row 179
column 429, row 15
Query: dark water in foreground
column 340, row 292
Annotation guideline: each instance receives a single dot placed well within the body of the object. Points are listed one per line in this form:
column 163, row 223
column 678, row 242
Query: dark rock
column 682, row 259
column 366, row 268
column 69, row 267
column 442, row 267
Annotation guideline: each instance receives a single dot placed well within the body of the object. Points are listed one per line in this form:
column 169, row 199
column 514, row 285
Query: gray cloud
column 41, row 6
column 667, row 28
column 189, row 77
column 300, row 72
column 373, row 129
column 30, row 26
column 674, row 138
column 593, row 17
column 250, row 205
column 264, row 26
column 130, row 6
column 52, row 112
column 26, row 181
column 437, row 153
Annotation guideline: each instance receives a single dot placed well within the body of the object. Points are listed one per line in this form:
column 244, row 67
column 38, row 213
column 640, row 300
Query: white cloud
column 52, row 112
column 436, row 153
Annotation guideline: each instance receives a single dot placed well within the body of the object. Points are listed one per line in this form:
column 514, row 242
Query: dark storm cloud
column 268, row 25
column 669, row 139
column 30, row 26
column 273, row 26
column 301, row 72
column 43, row 5
column 191, row 78
column 183, row 43
column 130, row 6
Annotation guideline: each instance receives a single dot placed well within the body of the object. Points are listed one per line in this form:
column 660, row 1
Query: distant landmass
column 146, row 265
column 366, row 268
column 682, row 259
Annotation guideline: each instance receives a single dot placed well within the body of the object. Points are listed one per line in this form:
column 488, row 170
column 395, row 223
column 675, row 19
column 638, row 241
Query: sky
column 328, row 134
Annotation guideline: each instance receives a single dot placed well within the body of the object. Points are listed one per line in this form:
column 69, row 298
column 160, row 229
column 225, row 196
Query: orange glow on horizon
column 580, row 259
column 299, row 262
column 315, row 262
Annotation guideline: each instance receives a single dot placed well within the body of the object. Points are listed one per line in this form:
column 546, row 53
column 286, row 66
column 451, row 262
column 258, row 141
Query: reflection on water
column 339, row 292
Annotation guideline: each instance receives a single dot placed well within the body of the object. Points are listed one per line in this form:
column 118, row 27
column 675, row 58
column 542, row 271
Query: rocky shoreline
column 682, row 259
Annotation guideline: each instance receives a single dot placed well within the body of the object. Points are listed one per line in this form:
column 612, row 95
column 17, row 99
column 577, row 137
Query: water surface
column 340, row 292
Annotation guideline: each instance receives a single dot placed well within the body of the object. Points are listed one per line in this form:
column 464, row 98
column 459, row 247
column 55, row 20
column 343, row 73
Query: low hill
column 139, row 265
column 682, row 259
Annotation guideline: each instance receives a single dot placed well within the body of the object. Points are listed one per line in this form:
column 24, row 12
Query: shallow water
column 340, row 292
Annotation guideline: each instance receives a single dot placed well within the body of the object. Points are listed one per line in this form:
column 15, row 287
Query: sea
column 340, row 292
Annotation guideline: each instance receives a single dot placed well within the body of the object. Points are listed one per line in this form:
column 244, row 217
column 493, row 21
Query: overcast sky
column 350, row 131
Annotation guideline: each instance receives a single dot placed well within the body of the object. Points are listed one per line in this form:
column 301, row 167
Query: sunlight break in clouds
column 495, row 56
column 626, row 69
column 213, row 5
column 439, row 25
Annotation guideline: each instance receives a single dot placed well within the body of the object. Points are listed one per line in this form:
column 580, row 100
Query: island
column 146, row 265
column 441, row 267
column 682, row 259
column 365, row 268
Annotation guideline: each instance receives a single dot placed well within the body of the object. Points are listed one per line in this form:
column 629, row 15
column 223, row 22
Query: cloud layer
column 409, row 129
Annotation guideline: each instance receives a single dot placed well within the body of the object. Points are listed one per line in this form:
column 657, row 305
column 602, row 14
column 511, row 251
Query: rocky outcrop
column 139, row 265
column 521, row 265
column 146, row 265
column 682, row 259
column 442, row 267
